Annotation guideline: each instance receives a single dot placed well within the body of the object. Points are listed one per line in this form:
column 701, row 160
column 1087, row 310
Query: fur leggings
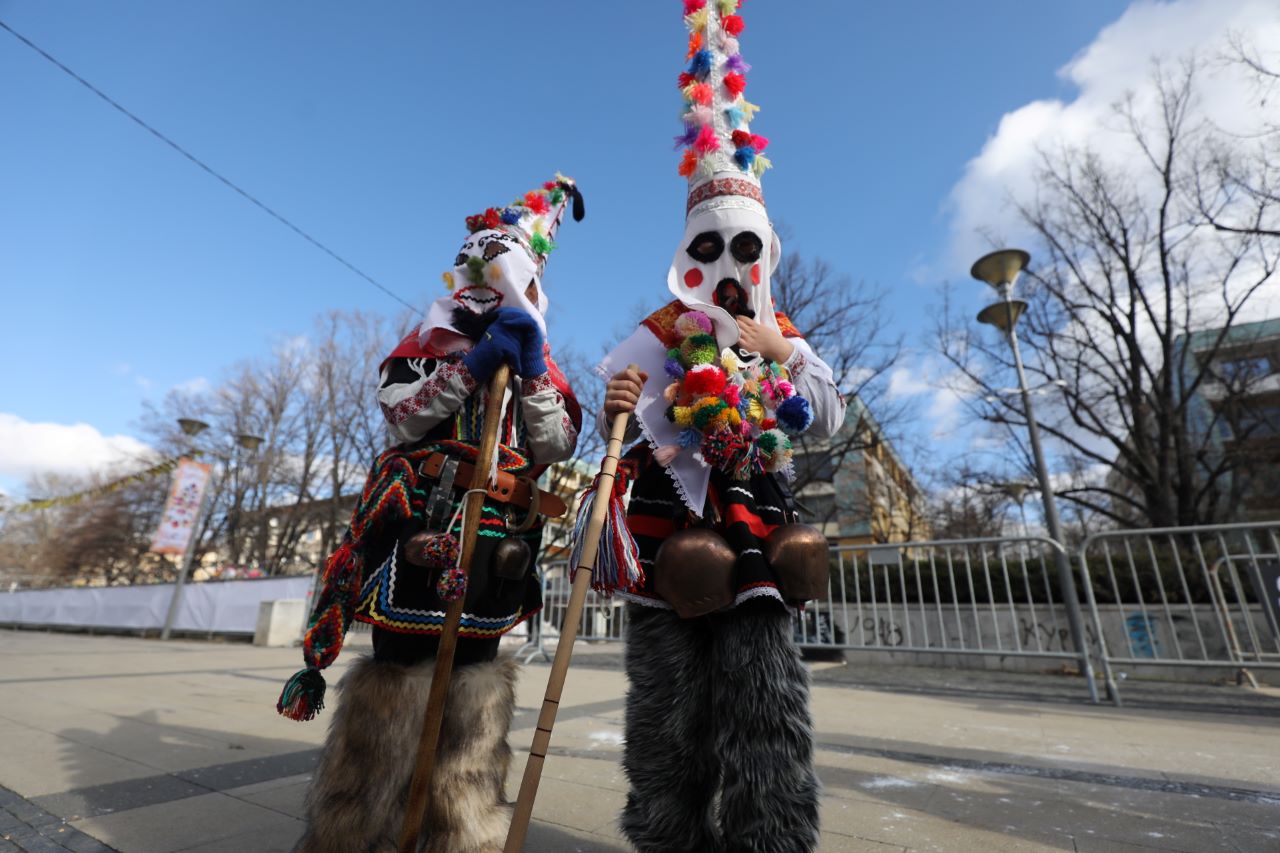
column 718, row 704
column 357, row 798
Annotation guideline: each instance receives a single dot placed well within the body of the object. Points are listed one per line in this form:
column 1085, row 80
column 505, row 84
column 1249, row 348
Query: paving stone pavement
column 118, row 743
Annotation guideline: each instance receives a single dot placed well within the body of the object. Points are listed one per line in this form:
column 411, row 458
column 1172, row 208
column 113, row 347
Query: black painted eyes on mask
column 746, row 247
column 461, row 260
column 706, row 247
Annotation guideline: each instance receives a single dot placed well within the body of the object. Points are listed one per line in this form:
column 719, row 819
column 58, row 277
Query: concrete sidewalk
column 114, row 743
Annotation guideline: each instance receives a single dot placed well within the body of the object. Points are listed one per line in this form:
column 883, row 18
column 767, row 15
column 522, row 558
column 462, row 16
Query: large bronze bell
column 798, row 554
column 693, row 572
column 511, row 559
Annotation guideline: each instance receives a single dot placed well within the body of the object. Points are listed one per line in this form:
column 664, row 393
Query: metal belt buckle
column 440, row 504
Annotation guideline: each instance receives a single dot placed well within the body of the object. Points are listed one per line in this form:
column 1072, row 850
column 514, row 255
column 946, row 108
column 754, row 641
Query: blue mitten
column 532, row 361
column 502, row 341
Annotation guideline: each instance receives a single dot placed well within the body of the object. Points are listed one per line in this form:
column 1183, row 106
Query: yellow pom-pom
column 696, row 21
column 729, row 362
column 733, row 417
column 684, row 416
column 749, row 110
column 449, row 283
column 755, row 411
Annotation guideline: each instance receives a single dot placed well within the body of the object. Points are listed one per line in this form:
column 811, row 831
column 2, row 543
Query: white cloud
column 193, row 387
column 28, row 448
column 1119, row 63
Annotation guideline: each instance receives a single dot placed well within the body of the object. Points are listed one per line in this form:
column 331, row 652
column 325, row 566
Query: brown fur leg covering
column 469, row 812
column 356, row 801
column 357, row 798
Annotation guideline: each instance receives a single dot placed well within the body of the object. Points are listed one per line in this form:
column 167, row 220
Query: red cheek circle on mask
column 755, row 274
column 693, row 278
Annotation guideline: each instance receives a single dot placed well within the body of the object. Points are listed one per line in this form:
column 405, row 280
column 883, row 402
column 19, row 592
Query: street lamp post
column 1000, row 269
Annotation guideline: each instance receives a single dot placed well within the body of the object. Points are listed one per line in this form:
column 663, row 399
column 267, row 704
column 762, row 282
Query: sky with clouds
column 899, row 134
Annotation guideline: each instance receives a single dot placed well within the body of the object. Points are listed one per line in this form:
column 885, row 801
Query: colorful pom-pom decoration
column 449, row 282
column 735, row 84
column 694, row 323
column 452, row 583
column 733, row 25
column 795, row 415
column 705, row 379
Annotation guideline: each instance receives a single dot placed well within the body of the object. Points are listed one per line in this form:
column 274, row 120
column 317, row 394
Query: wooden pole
column 420, row 787
column 568, row 633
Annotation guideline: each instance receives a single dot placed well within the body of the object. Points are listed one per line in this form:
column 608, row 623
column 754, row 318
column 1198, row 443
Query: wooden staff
column 568, row 632
column 420, row 787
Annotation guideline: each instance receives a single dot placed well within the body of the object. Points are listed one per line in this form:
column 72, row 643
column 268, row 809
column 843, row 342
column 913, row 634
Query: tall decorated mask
column 729, row 251
column 500, row 264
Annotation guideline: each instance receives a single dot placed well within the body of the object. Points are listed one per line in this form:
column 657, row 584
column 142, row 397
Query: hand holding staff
column 621, row 562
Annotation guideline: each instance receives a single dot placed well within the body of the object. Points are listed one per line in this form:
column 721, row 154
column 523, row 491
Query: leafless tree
column 844, row 323
column 1134, row 304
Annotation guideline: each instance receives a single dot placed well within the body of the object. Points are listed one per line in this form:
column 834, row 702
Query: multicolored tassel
column 618, row 558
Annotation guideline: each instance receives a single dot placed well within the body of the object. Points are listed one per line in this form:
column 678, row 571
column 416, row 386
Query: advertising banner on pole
column 182, row 510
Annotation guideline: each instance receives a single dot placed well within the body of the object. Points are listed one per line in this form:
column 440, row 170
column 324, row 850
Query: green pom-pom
column 540, row 244
column 768, row 442
column 704, row 415
column 556, row 196
column 475, row 269
column 303, row 696
column 699, row 349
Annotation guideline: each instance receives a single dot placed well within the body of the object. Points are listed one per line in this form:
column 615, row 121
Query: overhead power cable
column 206, row 167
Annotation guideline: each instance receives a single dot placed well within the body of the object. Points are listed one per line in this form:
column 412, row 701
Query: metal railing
column 963, row 597
column 975, row 597
column 1201, row 596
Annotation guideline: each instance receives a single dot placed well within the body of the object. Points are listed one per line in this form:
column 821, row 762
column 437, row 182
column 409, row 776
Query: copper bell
column 693, row 572
column 798, row 554
column 511, row 558
column 415, row 550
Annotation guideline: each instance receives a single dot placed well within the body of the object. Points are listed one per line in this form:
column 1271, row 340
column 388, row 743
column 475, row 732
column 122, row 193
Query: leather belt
column 509, row 489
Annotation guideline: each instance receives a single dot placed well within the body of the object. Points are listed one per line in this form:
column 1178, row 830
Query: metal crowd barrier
column 963, row 597
column 603, row 619
column 1205, row 596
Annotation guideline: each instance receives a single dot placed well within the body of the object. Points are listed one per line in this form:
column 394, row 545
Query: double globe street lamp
column 1000, row 269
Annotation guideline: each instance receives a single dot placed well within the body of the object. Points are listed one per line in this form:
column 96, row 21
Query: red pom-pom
column 768, row 423
column 759, row 142
column 688, row 163
column 549, row 186
column 741, row 138
column 701, row 93
column 735, row 84
column 733, row 24
column 706, row 141
column 476, row 222
column 704, row 381
column 685, row 79
column 691, row 6
column 536, row 202
column 492, row 219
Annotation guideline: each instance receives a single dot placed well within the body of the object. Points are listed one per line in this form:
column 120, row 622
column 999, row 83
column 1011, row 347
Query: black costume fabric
column 743, row 512
column 401, row 597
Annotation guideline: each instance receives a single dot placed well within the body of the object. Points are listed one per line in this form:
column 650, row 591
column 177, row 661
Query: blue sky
column 125, row 270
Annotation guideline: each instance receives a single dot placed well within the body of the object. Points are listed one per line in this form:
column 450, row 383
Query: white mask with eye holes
column 723, row 268
column 508, row 271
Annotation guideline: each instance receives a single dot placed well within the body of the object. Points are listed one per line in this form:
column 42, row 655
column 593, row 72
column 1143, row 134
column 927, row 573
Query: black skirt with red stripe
column 744, row 512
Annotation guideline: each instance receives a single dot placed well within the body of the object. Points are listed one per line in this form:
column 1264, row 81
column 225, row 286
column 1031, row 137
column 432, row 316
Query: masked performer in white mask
column 397, row 566
column 718, row 705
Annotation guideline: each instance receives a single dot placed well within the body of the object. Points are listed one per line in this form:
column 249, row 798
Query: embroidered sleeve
column 551, row 433
column 814, row 381
column 416, row 394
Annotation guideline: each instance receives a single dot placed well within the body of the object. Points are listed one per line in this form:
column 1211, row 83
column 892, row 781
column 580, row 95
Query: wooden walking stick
column 420, row 787
column 589, row 547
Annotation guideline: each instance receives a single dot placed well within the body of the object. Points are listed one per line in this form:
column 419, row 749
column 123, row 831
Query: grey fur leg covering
column 356, row 800
column 670, row 735
column 468, row 811
column 769, row 802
